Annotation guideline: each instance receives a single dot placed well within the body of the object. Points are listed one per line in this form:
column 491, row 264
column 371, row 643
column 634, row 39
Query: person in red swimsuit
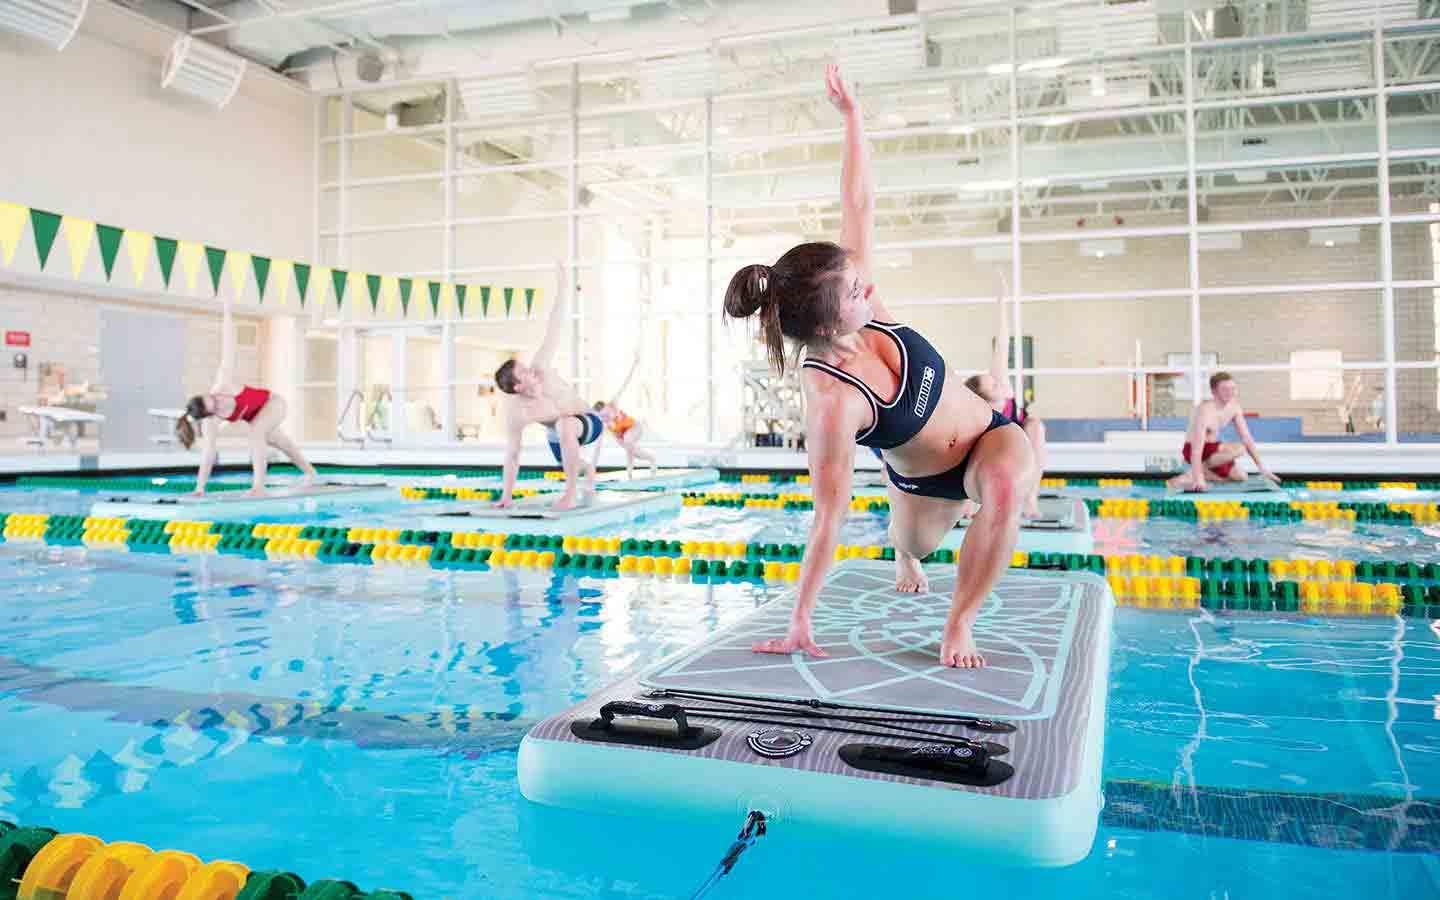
column 258, row 408
column 1216, row 459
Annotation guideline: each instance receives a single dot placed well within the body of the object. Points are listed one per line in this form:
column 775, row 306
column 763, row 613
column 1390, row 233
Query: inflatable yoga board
column 533, row 515
column 1255, row 484
column 663, row 480
column 291, row 498
column 877, row 737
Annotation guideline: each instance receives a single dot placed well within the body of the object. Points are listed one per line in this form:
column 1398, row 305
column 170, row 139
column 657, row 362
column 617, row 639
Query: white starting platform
column 57, row 423
column 534, row 515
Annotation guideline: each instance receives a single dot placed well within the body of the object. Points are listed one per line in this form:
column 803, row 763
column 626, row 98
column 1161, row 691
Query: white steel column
column 1387, row 262
column 573, row 230
column 710, row 311
column 1192, row 217
column 1017, row 284
column 447, row 330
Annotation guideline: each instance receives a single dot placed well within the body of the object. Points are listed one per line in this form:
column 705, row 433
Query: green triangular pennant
column 261, row 265
column 46, row 225
column 484, row 299
column 215, row 258
column 435, row 298
column 509, row 296
column 406, row 285
column 165, row 251
column 373, row 283
column 109, row 237
column 460, row 299
column 338, row 277
column 302, row 280
column 529, row 300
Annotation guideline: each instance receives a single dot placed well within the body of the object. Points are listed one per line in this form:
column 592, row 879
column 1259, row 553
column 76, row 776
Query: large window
column 1252, row 188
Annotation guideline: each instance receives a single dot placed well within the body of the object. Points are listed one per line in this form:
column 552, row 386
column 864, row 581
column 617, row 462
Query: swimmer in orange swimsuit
column 625, row 427
column 262, row 410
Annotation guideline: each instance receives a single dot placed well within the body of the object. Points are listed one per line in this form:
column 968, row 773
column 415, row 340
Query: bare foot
column 968, row 509
column 1032, row 508
column 307, row 481
column 566, row 501
column 957, row 648
column 1184, row 483
column 795, row 640
column 910, row 575
column 255, row 492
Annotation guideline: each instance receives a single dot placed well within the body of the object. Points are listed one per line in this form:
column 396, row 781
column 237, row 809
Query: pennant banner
column 302, row 281
column 12, row 225
column 261, row 265
column 139, row 245
column 45, row 226
column 389, row 296
column 191, row 254
column 165, row 249
column 215, row 258
column 372, row 284
column 284, row 272
column 238, row 261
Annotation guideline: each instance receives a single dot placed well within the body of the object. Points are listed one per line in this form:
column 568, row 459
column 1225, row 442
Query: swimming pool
column 359, row 722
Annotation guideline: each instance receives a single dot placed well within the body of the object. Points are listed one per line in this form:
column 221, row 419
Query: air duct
column 51, row 22
column 203, row 71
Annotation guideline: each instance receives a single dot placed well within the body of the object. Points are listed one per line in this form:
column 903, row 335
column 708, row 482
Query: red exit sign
column 17, row 338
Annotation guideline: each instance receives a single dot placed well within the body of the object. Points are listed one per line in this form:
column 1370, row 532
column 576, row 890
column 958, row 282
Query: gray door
column 142, row 366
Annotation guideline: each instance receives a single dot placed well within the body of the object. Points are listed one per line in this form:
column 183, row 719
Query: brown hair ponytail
column 797, row 298
column 185, row 432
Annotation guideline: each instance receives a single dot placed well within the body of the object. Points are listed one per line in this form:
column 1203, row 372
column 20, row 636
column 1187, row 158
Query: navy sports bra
column 922, row 376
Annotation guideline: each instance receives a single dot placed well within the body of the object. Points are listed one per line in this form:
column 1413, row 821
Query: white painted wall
column 90, row 132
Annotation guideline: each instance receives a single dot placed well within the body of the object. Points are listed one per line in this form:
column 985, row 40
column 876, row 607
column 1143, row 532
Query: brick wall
column 65, row 330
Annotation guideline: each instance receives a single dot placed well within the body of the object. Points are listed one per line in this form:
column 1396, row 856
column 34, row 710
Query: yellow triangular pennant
column 420, row 293
column 319, row 287
column 282, row 272
column 447, row 298
column 238, row 262
column 12, row 224
column 140, row 245
column 357, row 292
column 79, row 234
column 191, row 255
column 389, row 294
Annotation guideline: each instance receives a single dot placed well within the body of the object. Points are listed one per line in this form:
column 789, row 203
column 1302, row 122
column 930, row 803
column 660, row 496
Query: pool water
column 362, row 723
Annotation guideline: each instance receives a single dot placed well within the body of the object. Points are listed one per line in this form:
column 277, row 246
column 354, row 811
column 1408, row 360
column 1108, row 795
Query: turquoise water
column 362, row 723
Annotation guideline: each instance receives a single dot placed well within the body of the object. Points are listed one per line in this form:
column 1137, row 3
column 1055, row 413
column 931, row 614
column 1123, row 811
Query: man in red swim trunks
column 1202, row 441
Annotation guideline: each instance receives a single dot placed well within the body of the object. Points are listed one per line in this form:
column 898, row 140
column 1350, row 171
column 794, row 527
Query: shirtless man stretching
column 1208, row 457
column 537, row 394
